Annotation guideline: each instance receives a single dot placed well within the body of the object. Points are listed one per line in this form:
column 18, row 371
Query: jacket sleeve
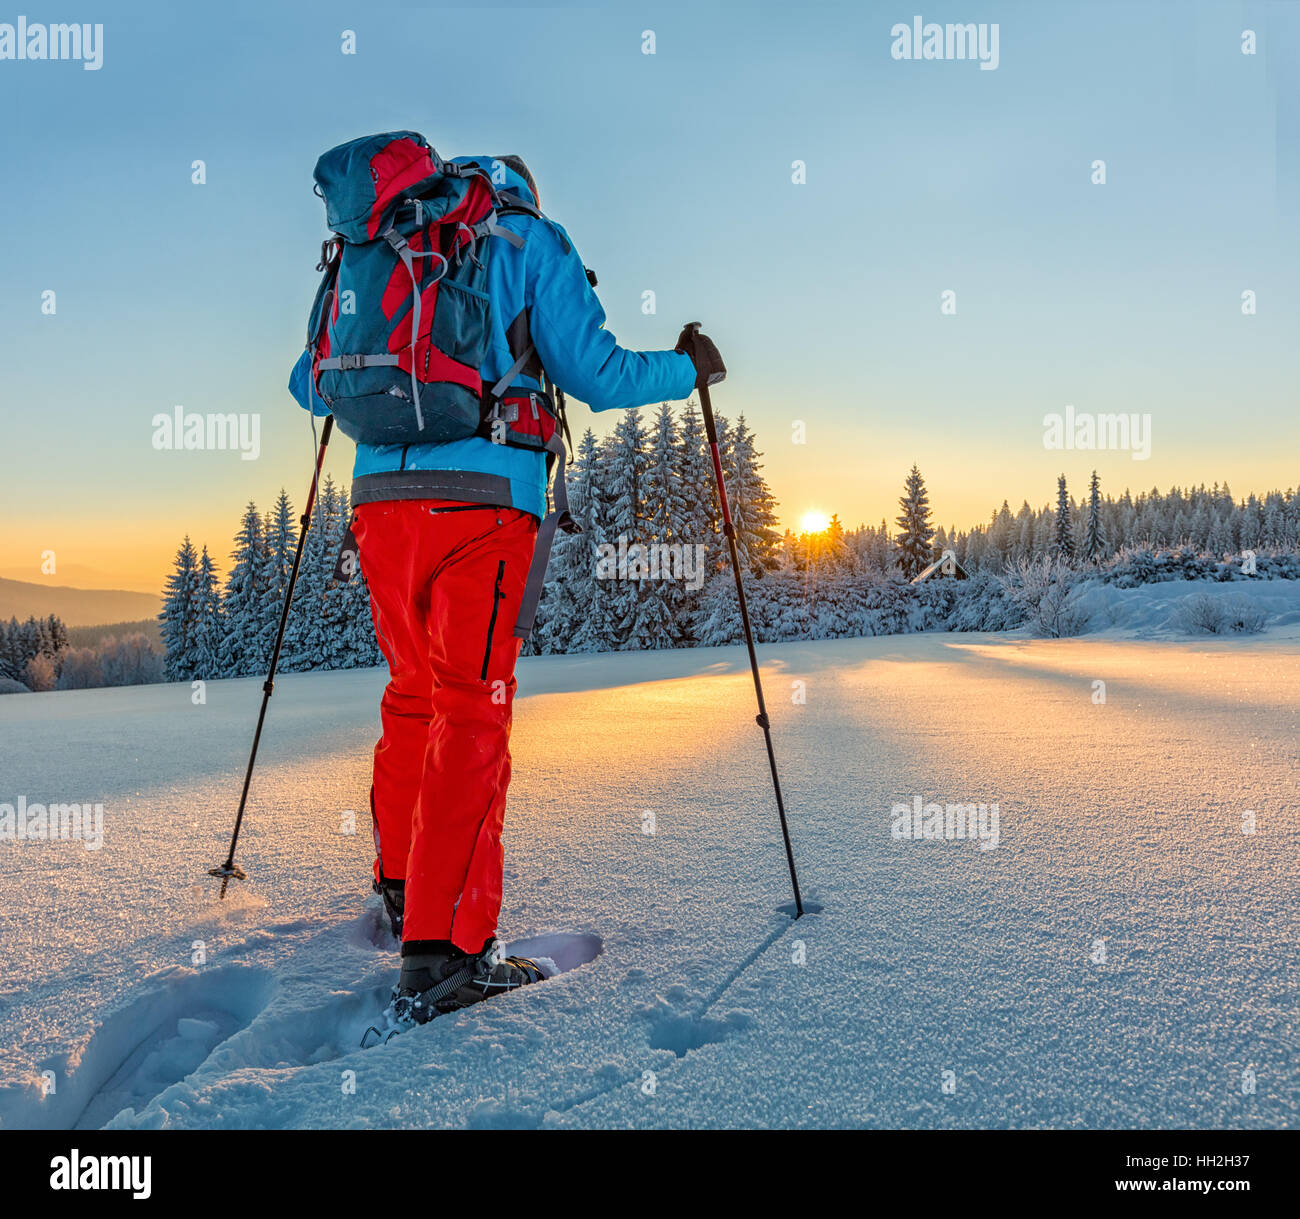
column 301, row 387
column 567, row 325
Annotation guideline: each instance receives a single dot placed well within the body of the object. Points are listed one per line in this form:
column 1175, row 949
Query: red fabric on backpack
column 532, row 419
column 396, row 167
column 445, row 588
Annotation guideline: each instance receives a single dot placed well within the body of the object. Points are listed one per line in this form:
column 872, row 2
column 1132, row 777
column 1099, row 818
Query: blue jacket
column 543, row 287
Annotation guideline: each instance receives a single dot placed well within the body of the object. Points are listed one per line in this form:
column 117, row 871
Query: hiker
column 447, row 529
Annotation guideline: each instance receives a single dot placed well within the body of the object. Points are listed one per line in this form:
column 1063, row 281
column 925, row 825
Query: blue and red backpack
column 399, row 328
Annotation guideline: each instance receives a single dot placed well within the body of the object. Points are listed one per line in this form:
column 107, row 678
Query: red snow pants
column 445, row 586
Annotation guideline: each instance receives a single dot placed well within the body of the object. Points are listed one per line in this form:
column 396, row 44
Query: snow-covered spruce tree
column 208, row 627
column 1094, row 534
column 699, row 523
column 176, row 618
column 304, row 633
column 753, row 504
column 913, row 542
column 1198, row 528
column 662, row 613
column 1024, row 532
column 30, row 641
column 9, row 666
column 1063, row 535
column 1219, row 542
column 1002, row 536
column 1274, row 526
column 240, row 651
column 280, row 537
column 882, row 550
column 576, row 628
column 1251, row 531
column 360, row 641
column 1043, row 534
column 699, row 520
column 634, row 622
column 332, row 612
column 56, row 633
column 717, row 615
column 566, row 595
column 592, row 629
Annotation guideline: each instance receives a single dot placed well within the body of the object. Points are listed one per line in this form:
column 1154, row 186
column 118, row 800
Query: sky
column 674, row 173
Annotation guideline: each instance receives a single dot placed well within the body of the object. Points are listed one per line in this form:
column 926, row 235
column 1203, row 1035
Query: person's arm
column 582, row 357
column 303, row 388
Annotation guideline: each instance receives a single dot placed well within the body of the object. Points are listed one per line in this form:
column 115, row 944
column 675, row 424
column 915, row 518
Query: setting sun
column 814, row 522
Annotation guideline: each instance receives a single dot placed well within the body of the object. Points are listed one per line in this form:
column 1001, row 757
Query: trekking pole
column 228, row 869
column 711, row 430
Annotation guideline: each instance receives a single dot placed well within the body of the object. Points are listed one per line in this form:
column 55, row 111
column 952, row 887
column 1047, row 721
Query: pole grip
column 706, row 403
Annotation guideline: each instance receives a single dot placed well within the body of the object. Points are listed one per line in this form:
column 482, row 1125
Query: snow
column 154, row 1005
column 1150, row 611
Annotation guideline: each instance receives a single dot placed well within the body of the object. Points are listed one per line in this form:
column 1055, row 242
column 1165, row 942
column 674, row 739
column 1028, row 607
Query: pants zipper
column 497, row 596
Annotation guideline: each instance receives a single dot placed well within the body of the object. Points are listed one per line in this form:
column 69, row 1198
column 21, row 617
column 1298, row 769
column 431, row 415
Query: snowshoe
column 446, row 979
column 394, row 894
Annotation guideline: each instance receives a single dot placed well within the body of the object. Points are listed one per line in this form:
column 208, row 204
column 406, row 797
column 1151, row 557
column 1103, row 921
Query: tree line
column 36, row 655
column 1094, row 530
column 644, row 490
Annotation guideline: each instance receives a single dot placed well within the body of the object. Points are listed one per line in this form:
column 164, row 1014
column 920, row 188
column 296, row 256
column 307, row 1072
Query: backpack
column 399, row 327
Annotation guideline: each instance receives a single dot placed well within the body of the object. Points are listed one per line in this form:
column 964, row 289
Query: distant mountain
column 76, row 606
column 78, row 575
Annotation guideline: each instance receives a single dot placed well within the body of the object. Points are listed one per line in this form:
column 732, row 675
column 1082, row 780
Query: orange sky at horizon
column 133, row 551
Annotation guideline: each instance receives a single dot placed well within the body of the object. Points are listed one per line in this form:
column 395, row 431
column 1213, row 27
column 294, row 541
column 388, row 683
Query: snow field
column 1120, row 834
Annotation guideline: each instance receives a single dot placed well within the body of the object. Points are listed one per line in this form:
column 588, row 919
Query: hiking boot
column 394, row 894
column 441, row 978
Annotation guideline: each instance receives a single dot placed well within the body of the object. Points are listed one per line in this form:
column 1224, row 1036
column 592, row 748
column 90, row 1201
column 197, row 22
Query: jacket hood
column 513, row 181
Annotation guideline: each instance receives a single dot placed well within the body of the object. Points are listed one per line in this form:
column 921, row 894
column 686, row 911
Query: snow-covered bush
column 9, row 686
column 1134, row 566
column 40, row 673
column 1204, row 614
column 984, row 603
column 1244, row 617
column 129, row 661
column 1044, row 589
column 80, row 670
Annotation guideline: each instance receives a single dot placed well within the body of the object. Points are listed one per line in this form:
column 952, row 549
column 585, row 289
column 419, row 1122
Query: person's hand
column 709, row 368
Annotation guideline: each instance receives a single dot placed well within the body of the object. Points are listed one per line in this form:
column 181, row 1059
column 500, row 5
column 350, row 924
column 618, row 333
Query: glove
column 709, row 368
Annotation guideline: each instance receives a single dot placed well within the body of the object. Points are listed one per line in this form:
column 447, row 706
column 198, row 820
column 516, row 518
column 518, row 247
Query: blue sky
column 672, row 172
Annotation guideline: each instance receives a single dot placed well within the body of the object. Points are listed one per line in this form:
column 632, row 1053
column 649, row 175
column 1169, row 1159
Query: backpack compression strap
column 487, row 227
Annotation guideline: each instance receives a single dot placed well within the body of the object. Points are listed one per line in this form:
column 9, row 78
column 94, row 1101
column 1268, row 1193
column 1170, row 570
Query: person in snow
column 445, row 534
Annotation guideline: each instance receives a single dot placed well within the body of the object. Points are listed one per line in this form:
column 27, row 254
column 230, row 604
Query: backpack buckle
column 348, row 363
